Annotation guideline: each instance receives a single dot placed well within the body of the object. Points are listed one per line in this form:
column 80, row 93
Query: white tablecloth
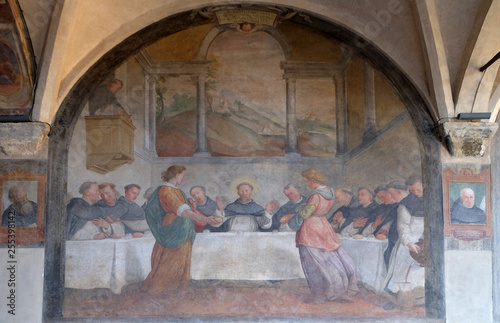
column 114, row 264
column 246, row 256
column 109, row 263
column 368, row 255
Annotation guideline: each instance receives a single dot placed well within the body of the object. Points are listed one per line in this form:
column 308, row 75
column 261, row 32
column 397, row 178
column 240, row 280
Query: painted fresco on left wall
column 17, row 64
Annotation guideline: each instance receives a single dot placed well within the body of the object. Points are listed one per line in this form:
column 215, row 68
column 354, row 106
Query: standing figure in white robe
column 403, row 268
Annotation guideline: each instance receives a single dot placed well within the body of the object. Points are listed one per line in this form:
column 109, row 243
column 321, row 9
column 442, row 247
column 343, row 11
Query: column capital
column 468, row 139
column 22, row 140
column 150, row 78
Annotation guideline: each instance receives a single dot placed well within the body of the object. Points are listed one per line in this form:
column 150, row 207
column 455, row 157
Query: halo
column 245, row 178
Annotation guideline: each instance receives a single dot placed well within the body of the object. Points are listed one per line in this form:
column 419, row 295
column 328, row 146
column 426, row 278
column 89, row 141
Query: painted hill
column 238, row 128
column 176, row 137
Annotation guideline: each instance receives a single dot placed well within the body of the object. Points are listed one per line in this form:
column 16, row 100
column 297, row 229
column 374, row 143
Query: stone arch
column 67, row 115
column 275, row 33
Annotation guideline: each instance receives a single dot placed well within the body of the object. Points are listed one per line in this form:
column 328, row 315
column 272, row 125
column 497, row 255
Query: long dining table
column 253, row 256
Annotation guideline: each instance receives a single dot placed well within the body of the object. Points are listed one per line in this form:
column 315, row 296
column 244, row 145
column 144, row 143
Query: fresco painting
column 246, row 106
column 20, row 196
column 467, row 203
column 10, row 77
column 22, row 207
column 17, row 66
column 316, row 123
column 175, row 116
column 231, row 237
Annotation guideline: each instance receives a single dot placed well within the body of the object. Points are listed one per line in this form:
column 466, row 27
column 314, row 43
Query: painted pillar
column 291, row 125
column 150, row 116
column 495, row 205
column 341, row 113
column 369, row 94
column 201, row 113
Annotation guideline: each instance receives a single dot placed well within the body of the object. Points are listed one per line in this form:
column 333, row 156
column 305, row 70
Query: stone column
column 291, row 125
column 201, row 113
column 341, row 113
column 495, row 205
column 369, row 111
column 150, row 115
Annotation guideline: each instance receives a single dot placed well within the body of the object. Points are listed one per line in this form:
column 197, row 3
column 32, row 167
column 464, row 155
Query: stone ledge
column 24, row 140
column 468, row 139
